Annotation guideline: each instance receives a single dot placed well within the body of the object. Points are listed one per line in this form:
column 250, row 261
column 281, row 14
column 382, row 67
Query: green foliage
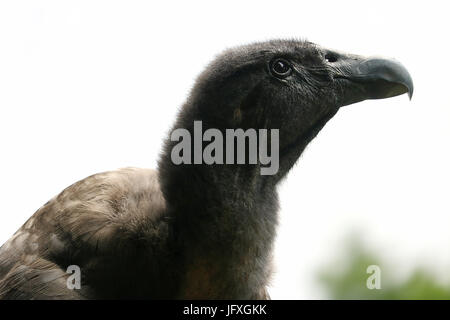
column 347, row 279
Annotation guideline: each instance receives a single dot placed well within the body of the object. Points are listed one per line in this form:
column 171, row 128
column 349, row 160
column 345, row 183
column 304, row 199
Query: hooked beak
column 362, row 78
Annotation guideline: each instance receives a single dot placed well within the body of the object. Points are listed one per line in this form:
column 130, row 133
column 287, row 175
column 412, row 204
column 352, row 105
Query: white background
column 89, row 86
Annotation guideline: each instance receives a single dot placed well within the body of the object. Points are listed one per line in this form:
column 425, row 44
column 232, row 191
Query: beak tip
column 410, row 94
column 410, row 87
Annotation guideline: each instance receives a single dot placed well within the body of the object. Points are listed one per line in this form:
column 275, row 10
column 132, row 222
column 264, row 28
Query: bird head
column 294, row 86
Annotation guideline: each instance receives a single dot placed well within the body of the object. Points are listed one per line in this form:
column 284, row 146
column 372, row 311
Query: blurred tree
column 347, row 279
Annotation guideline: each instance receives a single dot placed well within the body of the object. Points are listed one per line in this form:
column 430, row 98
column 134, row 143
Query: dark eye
column 281, row 68
column 329, row 57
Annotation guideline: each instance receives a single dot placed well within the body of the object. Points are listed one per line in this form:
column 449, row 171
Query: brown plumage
column 97, row 216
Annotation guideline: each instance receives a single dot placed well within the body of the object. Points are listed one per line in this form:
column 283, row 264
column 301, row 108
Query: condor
column 195, row 231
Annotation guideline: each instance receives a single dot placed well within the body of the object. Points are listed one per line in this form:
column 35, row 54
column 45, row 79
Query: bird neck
column 216, row 201
column 223, row 221
column 206, row 190
column 225, row 212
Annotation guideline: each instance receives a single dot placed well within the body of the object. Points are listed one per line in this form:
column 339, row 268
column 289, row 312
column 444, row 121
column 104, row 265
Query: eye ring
column 280, row 68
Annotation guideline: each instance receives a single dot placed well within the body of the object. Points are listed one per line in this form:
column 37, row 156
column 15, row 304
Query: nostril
column 329, row 57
